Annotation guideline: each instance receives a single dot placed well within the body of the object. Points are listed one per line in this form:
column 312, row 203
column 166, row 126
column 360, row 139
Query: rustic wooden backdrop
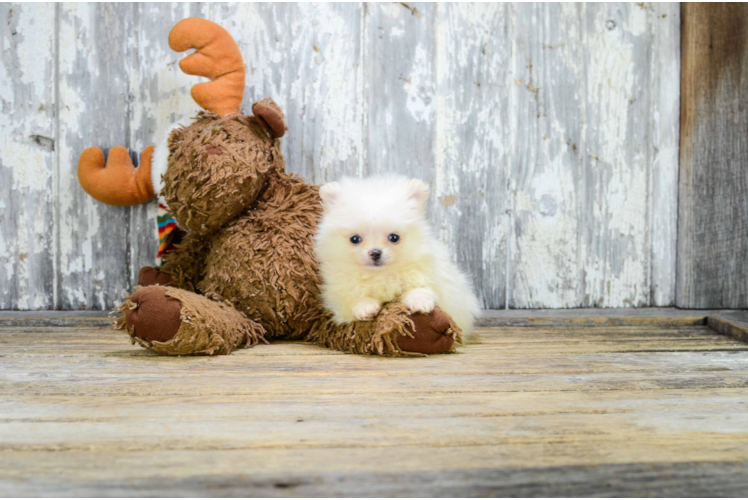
column 713, row 195
column 549, row 134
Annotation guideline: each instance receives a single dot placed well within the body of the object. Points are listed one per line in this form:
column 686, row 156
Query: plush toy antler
column 217, row 57
column 119, row 183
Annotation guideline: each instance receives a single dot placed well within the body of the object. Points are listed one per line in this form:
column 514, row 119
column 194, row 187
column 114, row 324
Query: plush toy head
column 218, row 165
column 217, row 168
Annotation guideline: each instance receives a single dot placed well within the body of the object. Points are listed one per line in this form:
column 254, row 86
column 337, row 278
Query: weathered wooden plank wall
column 549, row 133
column 713, row 222
column 28, row 180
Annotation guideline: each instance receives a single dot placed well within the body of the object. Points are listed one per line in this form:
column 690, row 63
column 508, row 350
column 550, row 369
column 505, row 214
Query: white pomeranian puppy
column 375, row 246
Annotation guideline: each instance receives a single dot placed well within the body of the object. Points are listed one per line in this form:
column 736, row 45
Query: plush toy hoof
column 156, row 317
column 149, row 276
column 429, row 335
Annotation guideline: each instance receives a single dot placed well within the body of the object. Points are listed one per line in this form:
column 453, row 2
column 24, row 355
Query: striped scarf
column 169, row 234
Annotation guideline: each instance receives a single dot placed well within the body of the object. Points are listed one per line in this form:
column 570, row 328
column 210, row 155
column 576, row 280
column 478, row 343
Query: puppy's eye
column 355, row 239
column 393, row 238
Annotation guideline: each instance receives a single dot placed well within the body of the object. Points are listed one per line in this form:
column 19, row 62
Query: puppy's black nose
column 375, row 254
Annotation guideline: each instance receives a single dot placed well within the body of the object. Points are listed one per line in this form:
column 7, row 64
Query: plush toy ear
column 270, row 116
column 330, row 194
column 418, row 192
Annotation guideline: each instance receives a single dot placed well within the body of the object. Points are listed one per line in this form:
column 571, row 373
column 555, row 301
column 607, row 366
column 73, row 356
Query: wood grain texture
column 399, row 52
column 713, row 207
column 734, row 324
column 643, row 316
column 590, row 96
column 663, row 109
column 516, row 411
column 547, row 165
column 473, row 137
column 27, row 156
column 615, row 156
column 548, row 133
column 648, row 316
column 93, row 106
column 307, row 57
column 696, row 479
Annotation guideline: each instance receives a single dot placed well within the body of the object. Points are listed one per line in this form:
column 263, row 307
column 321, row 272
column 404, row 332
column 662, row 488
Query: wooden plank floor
column 608, row 410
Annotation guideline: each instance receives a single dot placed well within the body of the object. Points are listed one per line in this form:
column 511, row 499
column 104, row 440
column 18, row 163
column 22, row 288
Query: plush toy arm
column 394, row 332
column 118, row 182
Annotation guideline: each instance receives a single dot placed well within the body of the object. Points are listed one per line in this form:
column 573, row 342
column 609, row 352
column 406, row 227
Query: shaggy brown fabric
column 207, row 326
column 379, row 336
column 264, row 261
column 150, row 276
column 186, row 265
column 205, row 190
column 392, row 333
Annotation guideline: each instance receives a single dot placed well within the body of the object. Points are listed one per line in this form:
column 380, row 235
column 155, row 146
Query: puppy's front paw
column 419, row 300
column 366, row 309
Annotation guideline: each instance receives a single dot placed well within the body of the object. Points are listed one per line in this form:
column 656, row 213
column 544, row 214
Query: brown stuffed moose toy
column 245, row 271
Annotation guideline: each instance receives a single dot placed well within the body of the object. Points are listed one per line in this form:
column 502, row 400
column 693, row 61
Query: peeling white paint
column 26, row 156
column 549, row 133
column 313, row 75
column 419, row 101
column 471, row 143
column 664, row 151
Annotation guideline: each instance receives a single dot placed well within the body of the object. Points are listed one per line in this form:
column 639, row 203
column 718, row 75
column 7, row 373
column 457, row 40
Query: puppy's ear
column 330, row 194
column 418, row 192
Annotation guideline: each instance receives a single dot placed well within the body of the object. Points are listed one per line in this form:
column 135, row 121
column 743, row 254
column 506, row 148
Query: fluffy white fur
column 415, row 270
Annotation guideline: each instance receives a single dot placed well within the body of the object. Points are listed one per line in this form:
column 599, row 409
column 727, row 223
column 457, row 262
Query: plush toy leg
column 394, row 332
column 178, row 322
column 151, row 276
column 432, row 333
column 153, row 317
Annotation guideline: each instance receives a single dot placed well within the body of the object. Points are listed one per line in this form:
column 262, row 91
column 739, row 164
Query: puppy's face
column 376, row 245
column 374, row 224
